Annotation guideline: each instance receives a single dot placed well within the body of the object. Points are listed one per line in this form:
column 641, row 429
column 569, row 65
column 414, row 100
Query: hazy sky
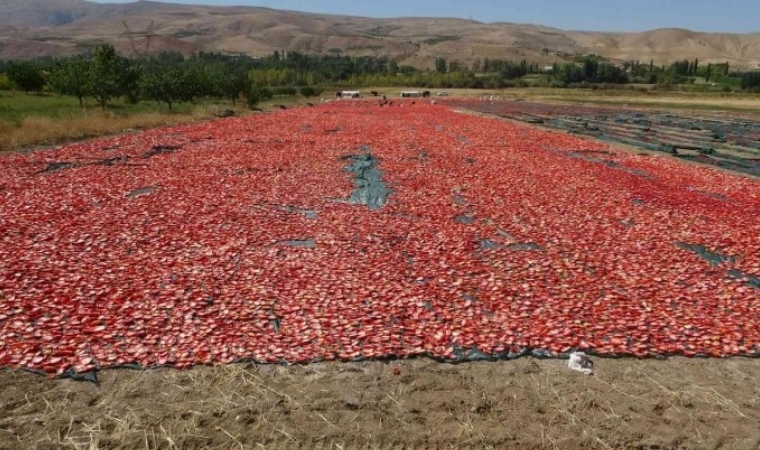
column 738, row 16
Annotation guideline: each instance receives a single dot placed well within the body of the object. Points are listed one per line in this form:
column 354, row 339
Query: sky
column 736, row 16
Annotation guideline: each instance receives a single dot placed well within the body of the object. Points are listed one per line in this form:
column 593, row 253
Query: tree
column 393, row 67
column 751, row 81
column 486, row 65
column 440, row 65
column 456, row 66
column 257, row 94
column 71, row 77
column 608, row 73
column 110, row 75
column 681, row 68
column 5, row 83
column 163, row 85
column 26, row 76
column 511, row 71
column 172, row 85
column 229, row 83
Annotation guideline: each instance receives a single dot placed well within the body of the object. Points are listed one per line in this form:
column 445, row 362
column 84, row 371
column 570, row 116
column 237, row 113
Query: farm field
column 351, row 232
column 641, row 97
column 720, row 139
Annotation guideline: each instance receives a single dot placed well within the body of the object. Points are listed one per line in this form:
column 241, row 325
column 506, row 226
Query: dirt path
column 527, row 403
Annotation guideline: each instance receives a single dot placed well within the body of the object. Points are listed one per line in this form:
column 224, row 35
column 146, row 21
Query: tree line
column 167, row 78
column 751, row 81
column 172, row 78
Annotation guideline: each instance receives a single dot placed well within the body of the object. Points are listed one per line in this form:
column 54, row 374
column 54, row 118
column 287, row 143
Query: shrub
column 26, row 76
column 5, row 83
column 309, row 91
column 257, row 94
column 286, row 91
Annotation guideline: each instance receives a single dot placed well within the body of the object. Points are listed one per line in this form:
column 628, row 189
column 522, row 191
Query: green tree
column 174, row 84
column 229, row 82
column 71, row 77
column 455, row 66
column 751, row 81
column 5, row 83
column 441, row 65
column 26, row 76
column 163, row 85
column 257, row 94
column 393, row 67
column 110, row 75
column 477, row 65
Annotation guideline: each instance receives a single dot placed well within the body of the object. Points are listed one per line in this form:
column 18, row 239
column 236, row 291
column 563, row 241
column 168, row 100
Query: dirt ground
column 526, row 404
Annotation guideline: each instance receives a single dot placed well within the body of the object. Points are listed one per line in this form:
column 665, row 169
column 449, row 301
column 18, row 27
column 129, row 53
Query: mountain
column 30, row 28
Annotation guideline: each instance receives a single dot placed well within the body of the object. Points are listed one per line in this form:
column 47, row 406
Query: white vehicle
column 442, row 94
column 350, row 94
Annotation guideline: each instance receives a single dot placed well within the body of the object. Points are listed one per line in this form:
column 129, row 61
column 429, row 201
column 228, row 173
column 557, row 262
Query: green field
column 17, row 106
column 39, row 119
column 31, row 120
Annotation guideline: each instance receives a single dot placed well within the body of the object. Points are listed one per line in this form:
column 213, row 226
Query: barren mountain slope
column 31, row 28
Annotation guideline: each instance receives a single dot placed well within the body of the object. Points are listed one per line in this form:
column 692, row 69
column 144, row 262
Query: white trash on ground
column 580, row 362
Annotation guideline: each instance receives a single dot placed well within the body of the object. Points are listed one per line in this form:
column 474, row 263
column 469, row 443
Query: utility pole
column 147, row 35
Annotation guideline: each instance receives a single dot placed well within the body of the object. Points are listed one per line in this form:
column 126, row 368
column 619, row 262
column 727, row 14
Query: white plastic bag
column 580, row 362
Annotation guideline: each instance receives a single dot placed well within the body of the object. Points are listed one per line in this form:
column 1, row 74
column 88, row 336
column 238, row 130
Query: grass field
column 46, row 119
column 15, row 107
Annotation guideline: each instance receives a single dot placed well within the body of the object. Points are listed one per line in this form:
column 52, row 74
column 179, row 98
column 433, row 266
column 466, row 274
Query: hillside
column 30, row 28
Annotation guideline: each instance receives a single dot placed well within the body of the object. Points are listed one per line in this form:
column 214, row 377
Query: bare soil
column 527, row 404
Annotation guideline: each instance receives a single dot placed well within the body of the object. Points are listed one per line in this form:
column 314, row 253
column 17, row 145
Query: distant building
column 407, row 94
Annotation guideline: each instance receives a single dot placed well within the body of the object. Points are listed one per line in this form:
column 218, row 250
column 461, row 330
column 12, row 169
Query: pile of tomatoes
column 181, row 246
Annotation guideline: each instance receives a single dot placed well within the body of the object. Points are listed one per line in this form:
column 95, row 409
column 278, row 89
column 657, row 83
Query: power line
column 133, row 36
